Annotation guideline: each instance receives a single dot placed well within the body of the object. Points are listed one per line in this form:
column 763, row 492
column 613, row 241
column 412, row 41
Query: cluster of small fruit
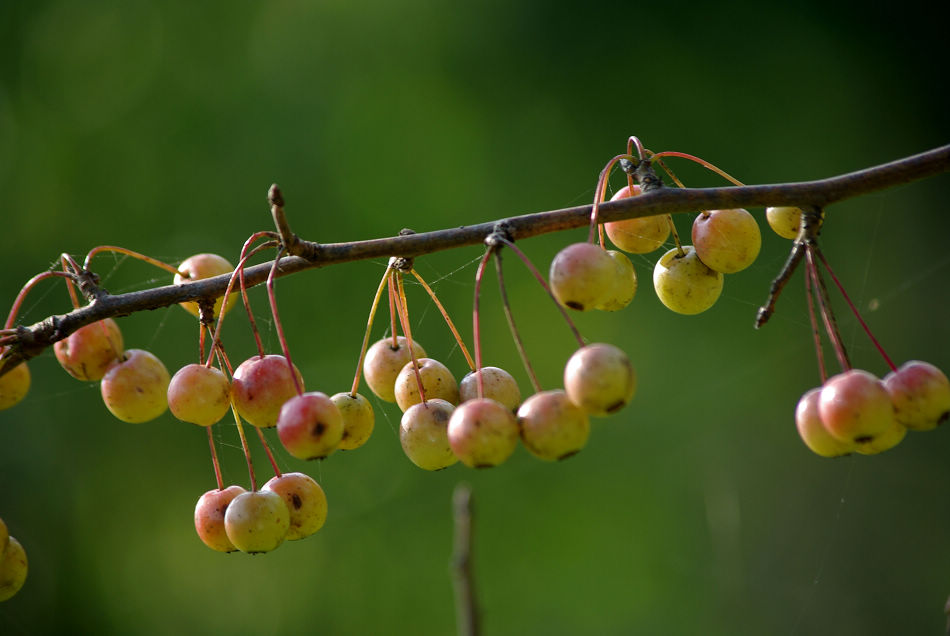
column 13, row 564
column 854, row 411
column 480, row 420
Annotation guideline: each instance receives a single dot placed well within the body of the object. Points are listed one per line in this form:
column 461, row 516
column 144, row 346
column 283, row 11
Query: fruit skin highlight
column 310, row 426
column 623, row 286
column 358, row 419
column 727, row 241
column 202, row 266
column 135, row 389
column 784, row 221
column 684, row 283
column 199, row 395
column 305, row 500
column 260, row 386
column 437, row 382
column 383, row 364
column 637, row 236
column 423, row 434
column 498, row 385
column 813, row 431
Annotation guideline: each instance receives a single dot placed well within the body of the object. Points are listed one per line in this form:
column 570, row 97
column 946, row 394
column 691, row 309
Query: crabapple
column 920, row 393
column 257, row 521
column 727, row 240
column 14, row 385
column 684, row 283
column 305, row 501
column 209, row 517
column 358, row 419
column 785, row 221
column 497, row 384
column 260, row 386
column 383, row 363
column 135, row 389
column 623, row 286
column 437, row 382
column 198, row 394
column 637, row 236
column 600, row 379
column 424, row 436
column 13, row 569
column 553, row 427
column 88, row 352
column 202, row 266
column 581, row 276
column 885, row 441
column 855, row 407
column 482, row 432
column 813, row 432
column 310, row 425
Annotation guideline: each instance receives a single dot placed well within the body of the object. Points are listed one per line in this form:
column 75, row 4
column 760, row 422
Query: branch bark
column 34, row 339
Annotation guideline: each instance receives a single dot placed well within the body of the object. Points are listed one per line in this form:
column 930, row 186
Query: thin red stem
column 854, row 310
column 20, row 297
column 270, row 455
column 544, row 284
column 511, row 324
column 369, row 327
column 448, row 320
column 272, row 298
column 247, row 450
column 476, row 326
column 816, row 333
column 127, row 252
column 402, row 309
column 599, row 193
column 824, row 305
column 70, row 266
column 214, row 459
column 240, row 272
column 705, row 164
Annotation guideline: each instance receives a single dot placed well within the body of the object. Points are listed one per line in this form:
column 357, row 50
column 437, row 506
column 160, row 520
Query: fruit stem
column 824, row 306
column 854, row 310
column 240, row 272
column 247, row 450
column 402, row 309
column 20, row 297
column 393, row 318
column 237, row 274
column 270, row 455
column 214, row 459
column 369, row 326
column 476, row 327
column 70, row 266
column 448, row 321
column 272, row 299
column 634, row 141
column 669, row 217
column 519, row 345
column 599, row 193
column 547, row 288
column 705, row 164
column 816, row 333
column 127, row 252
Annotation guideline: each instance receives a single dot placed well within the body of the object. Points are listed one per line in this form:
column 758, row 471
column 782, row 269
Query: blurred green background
column 160, row 126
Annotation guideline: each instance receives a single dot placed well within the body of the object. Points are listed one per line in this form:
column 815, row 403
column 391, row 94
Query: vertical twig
column 466, row 606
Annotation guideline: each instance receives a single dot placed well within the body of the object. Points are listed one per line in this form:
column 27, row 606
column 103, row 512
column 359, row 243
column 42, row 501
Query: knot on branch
column 643, row 174
column 500, row 234
column 88, row 283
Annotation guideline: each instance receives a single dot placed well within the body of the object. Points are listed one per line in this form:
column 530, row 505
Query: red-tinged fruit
column 920, row 393
column 358, row 419
column 814, row 433
column 637, row 236
column 257, row 521
column 305, row 501
column 684, row 283
column 209, row 517
column 135, row 389
column 553, row 427
column 13, row 569
column 497, row 384
column 581, row 276
column 423, row 433
column 383, row 363
column 199, row 395
column 855, row 407
column 600, row 379
column 260, row 387
column 437, row 382
column 885, row 441
column 87, row 353
column 483, row 432
column 310, row 426
column 202, row 266
column 727, row 241
column 14, row 386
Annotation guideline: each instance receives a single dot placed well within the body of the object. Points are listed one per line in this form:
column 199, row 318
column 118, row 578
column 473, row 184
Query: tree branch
column 34, row 339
